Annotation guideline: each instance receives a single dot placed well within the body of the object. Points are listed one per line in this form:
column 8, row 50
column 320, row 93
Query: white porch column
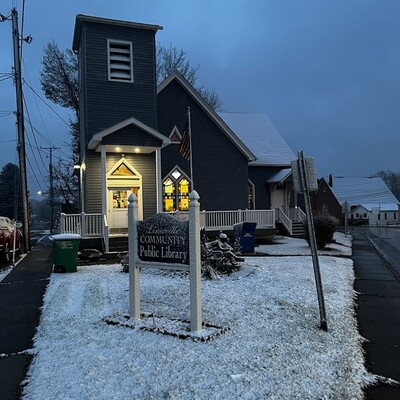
column 159, row 182
column 82, row 186
column 103, row 180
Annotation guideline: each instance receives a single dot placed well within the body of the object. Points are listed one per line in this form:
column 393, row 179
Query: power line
column 44, row 101
column 34, row 136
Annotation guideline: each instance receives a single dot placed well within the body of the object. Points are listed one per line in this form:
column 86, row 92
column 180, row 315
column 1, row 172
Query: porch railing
column 86, row 225
column 293, row 214
column 297, row 214
column 95, row 225
column 213, row 220
column 284, row 219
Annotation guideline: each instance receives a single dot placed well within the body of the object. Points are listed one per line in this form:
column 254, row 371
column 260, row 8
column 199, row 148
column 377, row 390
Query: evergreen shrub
column 324, row 227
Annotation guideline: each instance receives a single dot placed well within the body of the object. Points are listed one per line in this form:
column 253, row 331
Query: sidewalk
column 378, row 315
column 21, row 296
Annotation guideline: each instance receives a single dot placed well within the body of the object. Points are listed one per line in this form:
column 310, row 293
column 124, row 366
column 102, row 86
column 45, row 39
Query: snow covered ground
column 273, row 349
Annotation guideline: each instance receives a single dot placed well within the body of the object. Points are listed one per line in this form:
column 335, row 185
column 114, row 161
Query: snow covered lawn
column 273, row 349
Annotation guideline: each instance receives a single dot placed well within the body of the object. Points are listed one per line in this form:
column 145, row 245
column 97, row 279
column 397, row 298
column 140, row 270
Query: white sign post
column 134, row 272
column 163, row 244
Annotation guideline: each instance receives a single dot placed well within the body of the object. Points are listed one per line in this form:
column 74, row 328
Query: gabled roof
column 177, row 76
column 362, row 191
column 258, row 133
column 98, row 137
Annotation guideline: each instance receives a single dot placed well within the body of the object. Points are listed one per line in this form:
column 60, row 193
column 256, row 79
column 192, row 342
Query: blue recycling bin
column 245, row 233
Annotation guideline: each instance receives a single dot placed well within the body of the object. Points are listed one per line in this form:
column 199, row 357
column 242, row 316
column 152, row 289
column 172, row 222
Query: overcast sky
column 327, row 73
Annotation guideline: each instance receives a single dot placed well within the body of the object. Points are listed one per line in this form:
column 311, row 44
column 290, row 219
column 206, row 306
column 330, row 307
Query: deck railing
column 86, row 225
column 95, row 225
column 222, row 220
column 297, row 214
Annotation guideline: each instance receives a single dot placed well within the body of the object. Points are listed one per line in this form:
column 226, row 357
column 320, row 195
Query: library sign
column 163, row 239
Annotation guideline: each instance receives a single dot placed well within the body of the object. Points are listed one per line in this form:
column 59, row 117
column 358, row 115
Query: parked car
column 7, row 232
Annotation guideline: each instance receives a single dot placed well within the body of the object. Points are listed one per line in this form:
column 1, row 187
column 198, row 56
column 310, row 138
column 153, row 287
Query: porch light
column 118, row 149
column 137, row 150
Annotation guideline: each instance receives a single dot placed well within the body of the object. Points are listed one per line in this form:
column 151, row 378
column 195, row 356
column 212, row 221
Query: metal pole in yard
column 313, row 244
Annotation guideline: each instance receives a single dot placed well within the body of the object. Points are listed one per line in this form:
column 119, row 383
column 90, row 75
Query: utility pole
column 21, row 129
column 51, row 190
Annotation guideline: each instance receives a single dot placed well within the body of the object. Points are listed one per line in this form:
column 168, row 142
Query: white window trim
column 109, row 43
column 254, row 193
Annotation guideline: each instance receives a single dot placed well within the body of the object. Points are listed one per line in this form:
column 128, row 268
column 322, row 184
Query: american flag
column 184, row 147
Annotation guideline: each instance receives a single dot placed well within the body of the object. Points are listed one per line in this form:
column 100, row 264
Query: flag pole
column 191, row 151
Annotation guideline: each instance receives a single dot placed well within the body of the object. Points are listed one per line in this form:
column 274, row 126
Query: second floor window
column 120, row 61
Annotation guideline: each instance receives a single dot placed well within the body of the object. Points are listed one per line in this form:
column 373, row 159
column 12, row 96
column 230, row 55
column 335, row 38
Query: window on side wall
column 120, row 61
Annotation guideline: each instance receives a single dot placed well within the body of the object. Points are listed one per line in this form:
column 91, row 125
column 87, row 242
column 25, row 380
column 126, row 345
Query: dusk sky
column 327, row 73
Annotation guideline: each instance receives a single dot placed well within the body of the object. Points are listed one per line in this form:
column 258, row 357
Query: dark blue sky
column 327, row 73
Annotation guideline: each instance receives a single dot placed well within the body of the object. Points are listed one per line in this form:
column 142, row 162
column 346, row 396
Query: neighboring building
column 374, row 214
column 131, row 131
column 368, row 200
column 324, row 201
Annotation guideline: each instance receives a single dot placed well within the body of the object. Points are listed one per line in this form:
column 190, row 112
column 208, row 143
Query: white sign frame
column 194, row 266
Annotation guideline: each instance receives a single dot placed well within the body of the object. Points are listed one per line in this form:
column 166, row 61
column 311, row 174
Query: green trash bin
column 65, row 252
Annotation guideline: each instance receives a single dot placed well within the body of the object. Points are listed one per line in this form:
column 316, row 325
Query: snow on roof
column 380, row 206
column 280, row 176
column 362, row 191
column 258, row 133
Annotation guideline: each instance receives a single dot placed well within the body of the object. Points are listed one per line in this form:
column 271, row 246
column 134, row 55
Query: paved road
column 387, row 242
column 378, row 305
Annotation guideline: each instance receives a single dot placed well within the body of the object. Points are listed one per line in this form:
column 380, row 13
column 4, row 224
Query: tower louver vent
column 120, row 61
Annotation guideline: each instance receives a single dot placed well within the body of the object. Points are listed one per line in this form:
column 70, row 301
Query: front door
column 118, row 205
column 278, row 199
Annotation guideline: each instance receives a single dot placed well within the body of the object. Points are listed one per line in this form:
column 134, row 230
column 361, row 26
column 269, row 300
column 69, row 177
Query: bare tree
column 392, row 180
column 59, row 77
column 171, row 58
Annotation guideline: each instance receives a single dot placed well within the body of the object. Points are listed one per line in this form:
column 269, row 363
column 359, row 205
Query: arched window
column 169, row 195
column 176, row 189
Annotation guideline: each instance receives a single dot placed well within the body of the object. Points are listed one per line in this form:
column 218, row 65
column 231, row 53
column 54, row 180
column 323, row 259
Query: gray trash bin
column 245, row 233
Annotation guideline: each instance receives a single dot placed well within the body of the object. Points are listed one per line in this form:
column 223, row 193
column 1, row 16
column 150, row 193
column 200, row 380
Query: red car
column 7, row 231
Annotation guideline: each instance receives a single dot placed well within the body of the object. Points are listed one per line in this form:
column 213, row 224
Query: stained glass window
column 176, row 189
column 169, row 199
column 183, row 194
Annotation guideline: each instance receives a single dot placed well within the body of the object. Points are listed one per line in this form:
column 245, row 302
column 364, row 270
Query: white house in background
column 376, row 214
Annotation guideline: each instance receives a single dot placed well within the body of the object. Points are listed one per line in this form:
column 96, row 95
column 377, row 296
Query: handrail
column 301, row 215
column 285, row 220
